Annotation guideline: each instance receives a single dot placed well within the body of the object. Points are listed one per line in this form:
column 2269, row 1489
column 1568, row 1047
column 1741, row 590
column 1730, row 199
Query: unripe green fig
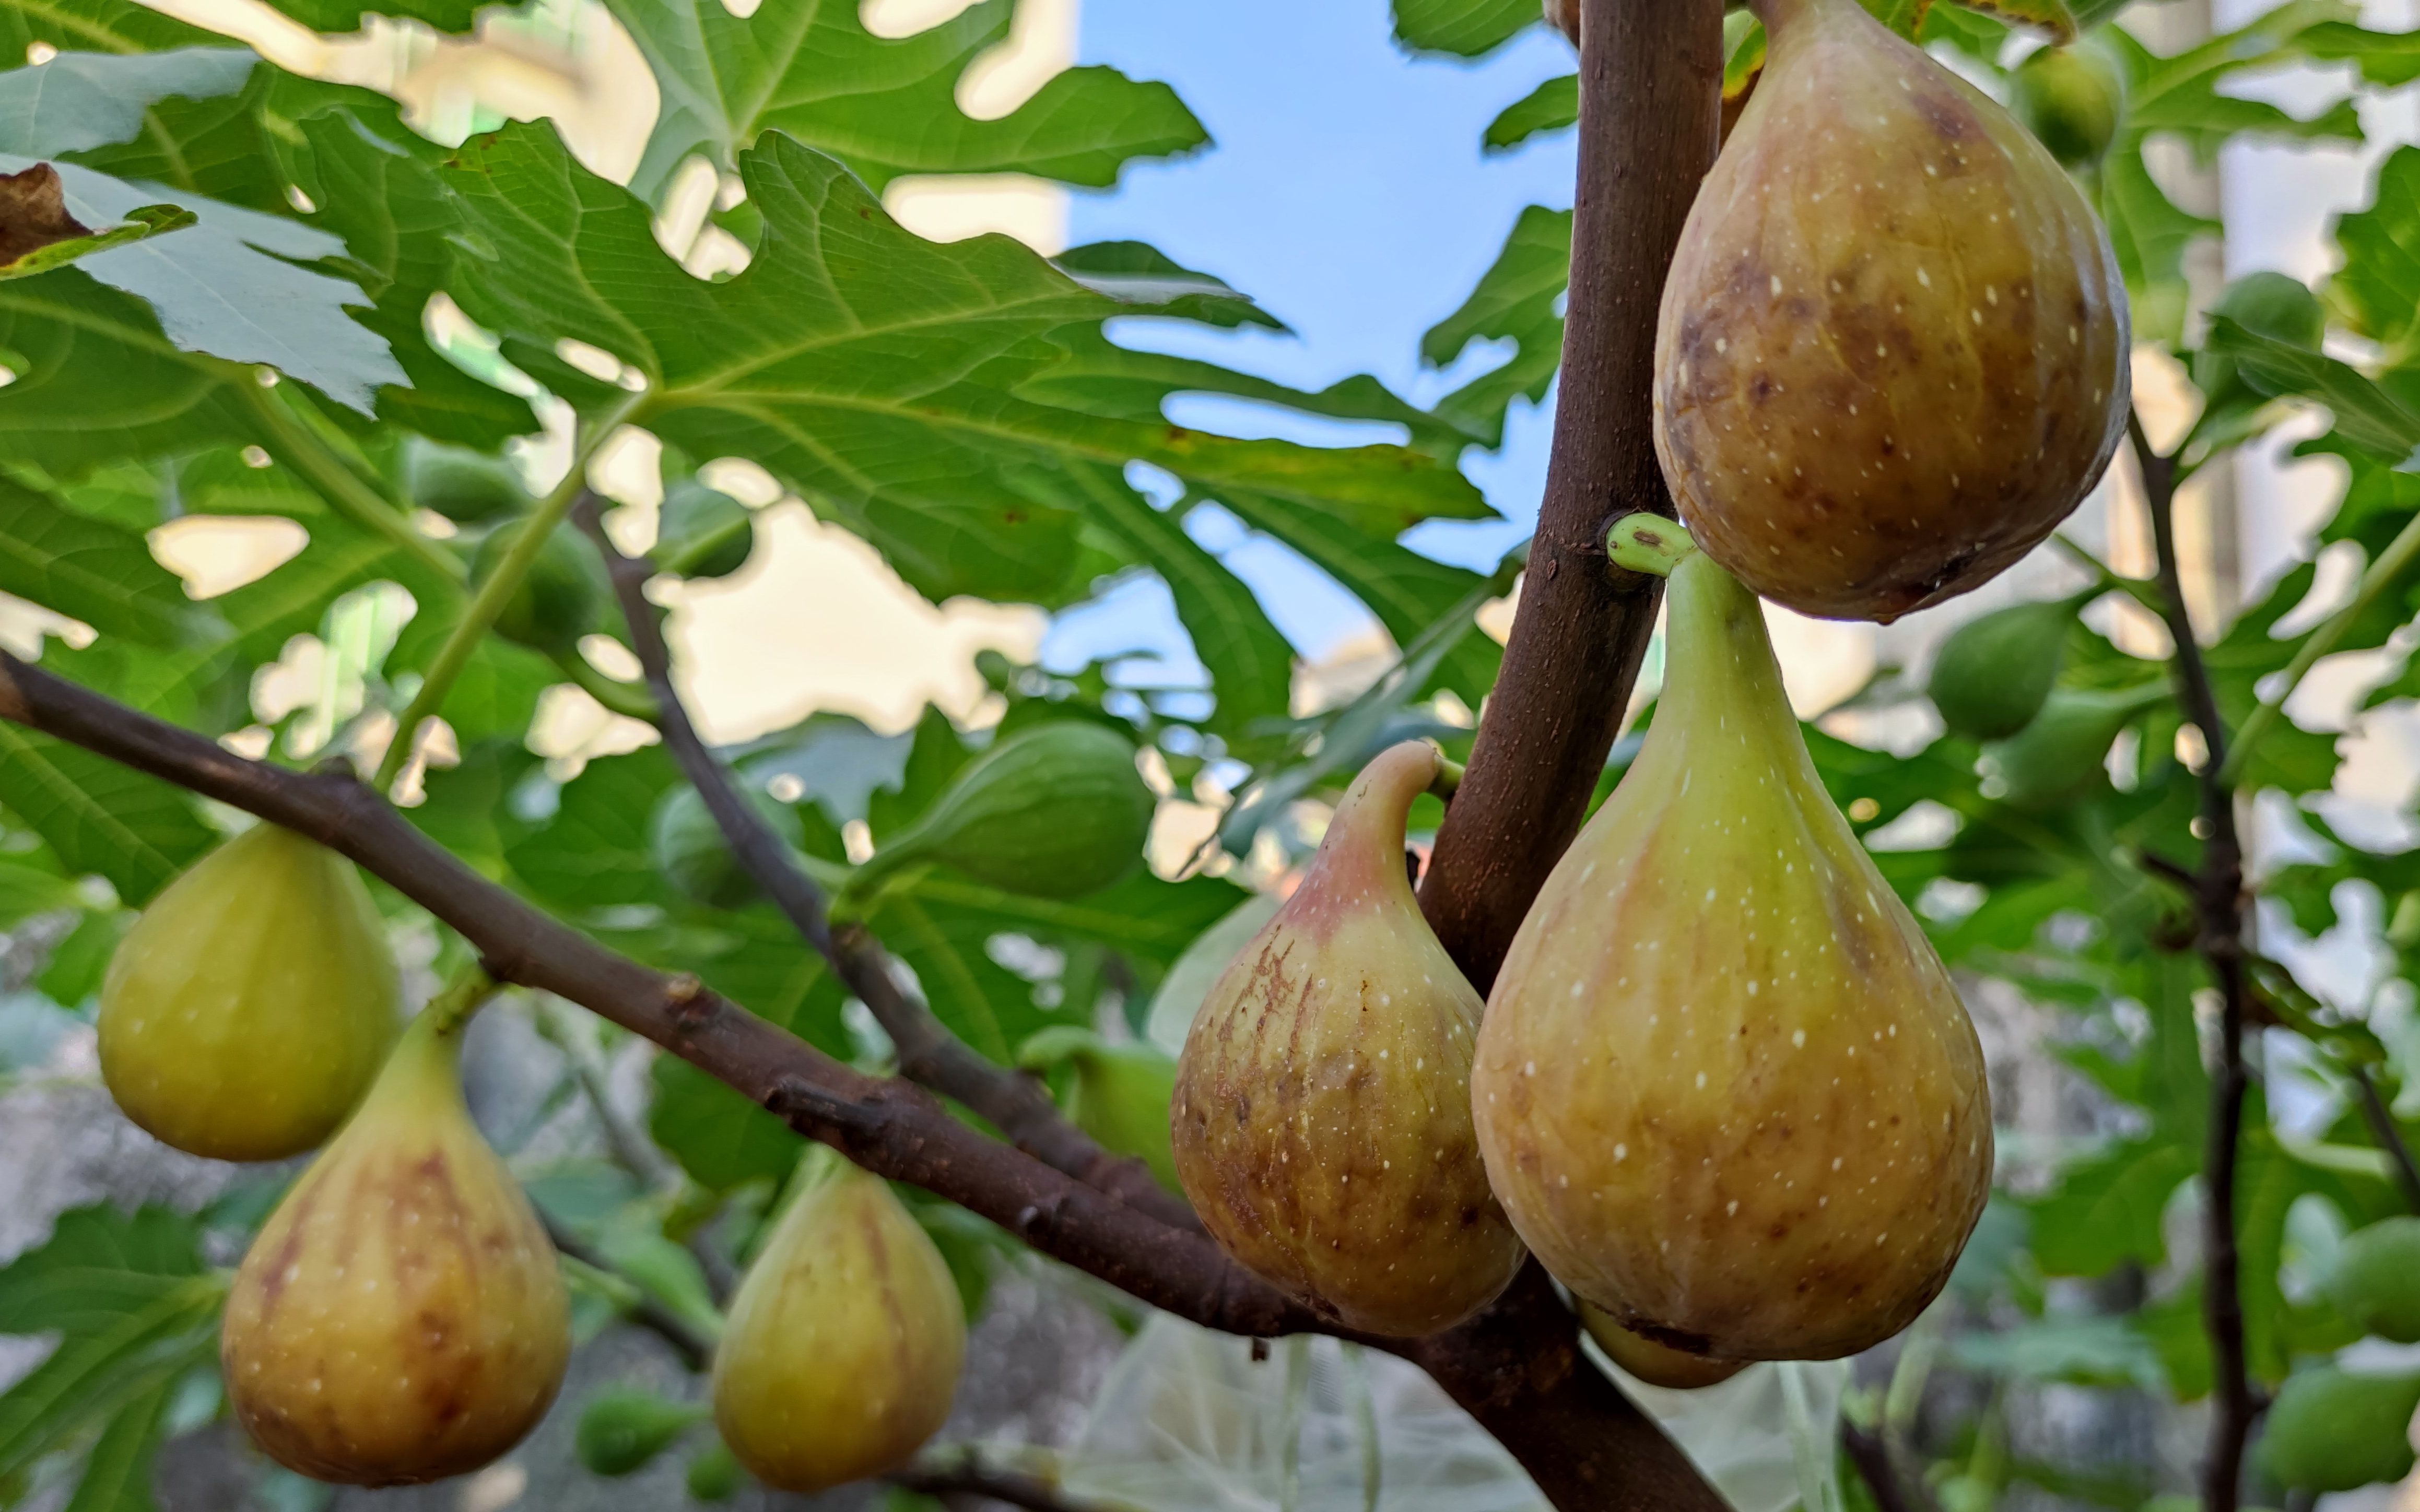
column 1322, row 1112
column 465, row 486
column 1993, row 672
column 845, row 1339
column 2267, row 304
column 621, row 1431
column 2063, row 753
column 694, row 858
column 1893, row 350
column 2071, row 99
column 557, row 602
column 400, row 1317
column 1058, row 810
column 1654, row 1364
column 2332, row 1430
column 251, row 1005
column 1725, row 1088
column 1117, row 1093
column 702, row 531
column 714, row 1475
column 2376, row 1279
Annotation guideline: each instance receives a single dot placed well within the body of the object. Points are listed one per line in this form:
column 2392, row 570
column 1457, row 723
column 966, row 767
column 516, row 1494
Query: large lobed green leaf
column 887, row 106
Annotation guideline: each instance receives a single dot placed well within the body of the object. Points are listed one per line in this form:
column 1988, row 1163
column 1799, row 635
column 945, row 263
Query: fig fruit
column 250, row 1006
column 1057, row 810
column 1117, row 1093
column 1892, row 352
column 1725, row 1088
column 1651, row 1361
column 2376, row 1280
column 2267, row 304
column 465, row 486
column 557, row 601
column 2063, row 753
column 702, row 531
column 714, row 1475
column 844, row 1342
column 1322, row 1112
column 2332, row 1430
column 2071, row 99
column 694, row 858
column 400, row 1317
column 1993, row 674
column 621, row 1431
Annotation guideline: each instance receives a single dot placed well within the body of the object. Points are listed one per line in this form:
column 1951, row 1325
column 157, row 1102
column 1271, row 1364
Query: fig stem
column 289, row 439
column 460, row 997
column 2382, row 574
column 1449, row 778
column 496, row 593
column 1649, row 543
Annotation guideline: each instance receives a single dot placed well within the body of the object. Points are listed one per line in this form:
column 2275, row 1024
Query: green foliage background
column 266, row 352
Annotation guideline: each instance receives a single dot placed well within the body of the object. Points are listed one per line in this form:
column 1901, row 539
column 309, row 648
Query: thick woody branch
column 888, row 1126
column 1651, row 106
column 929, row 1053
column 2217, row 886
column 1516, row 1369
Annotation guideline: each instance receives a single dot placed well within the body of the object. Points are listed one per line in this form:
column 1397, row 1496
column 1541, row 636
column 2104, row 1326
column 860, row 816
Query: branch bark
column 929, row 1053
column 1651, row 110
column 884, row 1124
column 2381, row 1119
column 1516, row 1369
column 2219, row 916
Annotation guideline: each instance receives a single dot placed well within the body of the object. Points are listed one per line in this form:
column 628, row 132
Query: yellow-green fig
column 844, row 1341
column 1892, row 352
column 1725, row 1088
column 1322, row 1113
column 400, row 1317
column 249, row 1007
column 1655, row 1364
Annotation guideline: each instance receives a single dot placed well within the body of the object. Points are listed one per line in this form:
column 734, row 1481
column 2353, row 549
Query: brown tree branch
column 884, row 1124
column 2218, row 907
column 929, row 1054
column 1516, row 1368
column 1651, row 110
column 2381, row 1119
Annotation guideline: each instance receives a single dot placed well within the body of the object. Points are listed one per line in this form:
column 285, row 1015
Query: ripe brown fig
column 1893, row 348
column 1322, row 1113
column 400, row 1317
column 844, row 1342
column 247, row 1009
column 1725, row 1086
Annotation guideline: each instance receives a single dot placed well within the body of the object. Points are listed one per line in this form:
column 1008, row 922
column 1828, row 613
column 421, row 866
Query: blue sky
column 1347, row 192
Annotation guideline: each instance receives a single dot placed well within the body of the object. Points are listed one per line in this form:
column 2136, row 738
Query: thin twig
column 1869, row 1449
column 287, row 439
column 1014, row 1103
column 2380, row 1118
column 2218, row 902
column 695, row 1350
column 488, row 601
